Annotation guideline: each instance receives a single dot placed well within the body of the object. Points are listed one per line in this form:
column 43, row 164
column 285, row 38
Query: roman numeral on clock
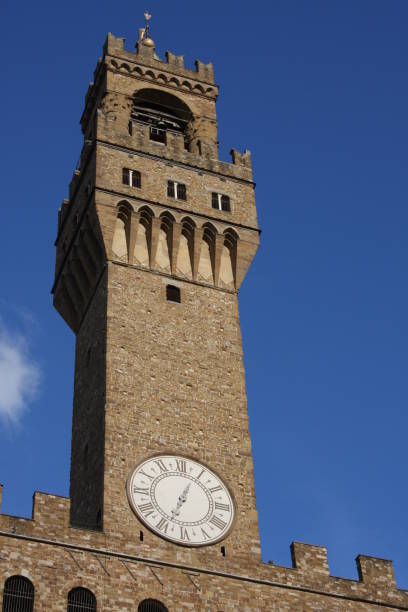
column 181, row 465
column 214, row 489
column 184, row 534
column 146, row 509
column 140, row 490
column 161, row 465
column 215, row 520
column 146, row 474
column 219, row 506
column 205, row 534
column 162, row 525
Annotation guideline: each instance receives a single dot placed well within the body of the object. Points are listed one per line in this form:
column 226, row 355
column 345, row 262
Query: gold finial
column 145, row 38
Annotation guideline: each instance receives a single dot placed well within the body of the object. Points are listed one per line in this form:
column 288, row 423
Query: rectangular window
column 131, row 177
column 157, row 134
column 173, row 294
column 220, row 202
column 176, row 190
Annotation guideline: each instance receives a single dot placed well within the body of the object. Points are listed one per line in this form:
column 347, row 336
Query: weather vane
column 147, row 16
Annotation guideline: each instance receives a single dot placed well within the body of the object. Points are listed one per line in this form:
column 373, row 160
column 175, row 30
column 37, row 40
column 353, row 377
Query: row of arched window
column 202, row 253
column 18, row 596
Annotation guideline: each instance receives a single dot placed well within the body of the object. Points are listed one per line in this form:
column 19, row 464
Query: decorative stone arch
column 174, row 81
column 164, row 251
column 228, row 259
column 121, row 231
column 186, row 251
column 206, row 255
column 142, row 241
column 147, row 210
column 125, row 66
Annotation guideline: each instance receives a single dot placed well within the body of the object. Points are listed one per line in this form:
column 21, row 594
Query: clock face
column 181, row 500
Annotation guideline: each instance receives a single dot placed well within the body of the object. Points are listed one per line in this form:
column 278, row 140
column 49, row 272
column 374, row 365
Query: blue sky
column 318, row 92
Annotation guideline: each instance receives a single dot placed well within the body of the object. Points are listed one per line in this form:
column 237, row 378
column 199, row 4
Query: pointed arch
column 228, row 260
column 165, row 241
column 141, row 252
column 121, row 232
column 185, row 257
column 206, row 264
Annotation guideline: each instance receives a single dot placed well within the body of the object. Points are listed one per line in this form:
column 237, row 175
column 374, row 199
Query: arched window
column 163, row 113
column 18, row 595
column 151, row 605
column 81, row 600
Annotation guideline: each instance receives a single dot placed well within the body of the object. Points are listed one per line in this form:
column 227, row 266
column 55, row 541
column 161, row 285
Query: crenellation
column 48, row 508
column 376, row 572
column 113, row 44
column 243, row 158
column 174, row 60
column 308, row 558
column 202, row 72
column 205, row 70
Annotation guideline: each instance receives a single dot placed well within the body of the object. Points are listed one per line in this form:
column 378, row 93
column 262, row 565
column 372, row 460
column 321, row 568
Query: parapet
column 310, row 570
column 175, row 63
column 374, row 570
column 309, row 558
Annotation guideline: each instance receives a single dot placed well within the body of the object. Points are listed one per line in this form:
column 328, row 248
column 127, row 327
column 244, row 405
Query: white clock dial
column 181, row 500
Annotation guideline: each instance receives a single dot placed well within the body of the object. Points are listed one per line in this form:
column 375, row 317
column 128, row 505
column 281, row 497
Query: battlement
column 146, row 55
column 50, row 525
column 312, row 561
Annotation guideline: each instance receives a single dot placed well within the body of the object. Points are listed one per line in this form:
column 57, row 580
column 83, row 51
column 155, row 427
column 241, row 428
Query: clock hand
column 181, row 500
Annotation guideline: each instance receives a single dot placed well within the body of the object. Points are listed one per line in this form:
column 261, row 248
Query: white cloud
column 19, row 376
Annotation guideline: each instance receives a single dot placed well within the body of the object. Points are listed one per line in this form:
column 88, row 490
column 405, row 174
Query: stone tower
column 152, row 246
